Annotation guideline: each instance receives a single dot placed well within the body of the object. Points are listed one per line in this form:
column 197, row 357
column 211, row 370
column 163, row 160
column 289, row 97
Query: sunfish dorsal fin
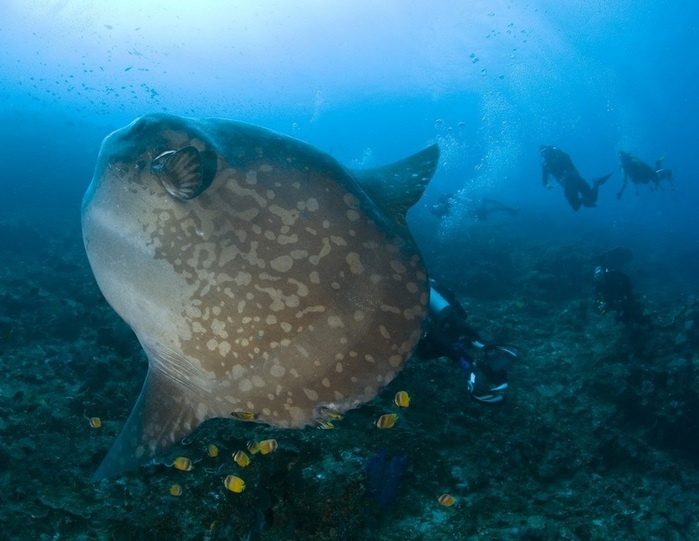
column 398, row 186
column 162, row 416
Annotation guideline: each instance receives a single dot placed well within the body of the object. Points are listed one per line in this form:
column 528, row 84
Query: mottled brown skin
column 279, row 289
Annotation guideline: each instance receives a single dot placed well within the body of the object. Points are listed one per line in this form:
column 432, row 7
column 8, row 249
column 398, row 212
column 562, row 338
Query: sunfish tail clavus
column 264, row 280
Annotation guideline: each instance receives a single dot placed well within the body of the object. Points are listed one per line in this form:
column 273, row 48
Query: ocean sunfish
column 265, row 281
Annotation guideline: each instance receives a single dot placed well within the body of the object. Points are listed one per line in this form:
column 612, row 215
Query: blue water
column 488, row 84
column 370, row 83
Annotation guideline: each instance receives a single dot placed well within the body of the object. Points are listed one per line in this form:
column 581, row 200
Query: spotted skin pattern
column 280, row 290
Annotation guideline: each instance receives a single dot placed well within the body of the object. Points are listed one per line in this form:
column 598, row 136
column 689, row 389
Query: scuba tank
column 440, row 309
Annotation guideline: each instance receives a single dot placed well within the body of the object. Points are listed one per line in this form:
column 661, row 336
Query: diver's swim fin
column 601, row 180
column 659, row 162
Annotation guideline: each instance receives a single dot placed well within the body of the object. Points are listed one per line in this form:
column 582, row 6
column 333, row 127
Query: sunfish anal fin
column 161, row 417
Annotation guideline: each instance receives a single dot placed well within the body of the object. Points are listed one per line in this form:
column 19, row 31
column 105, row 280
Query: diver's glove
column 497, row 358
column 483, row 392
column 488, row 380
column 481, row 386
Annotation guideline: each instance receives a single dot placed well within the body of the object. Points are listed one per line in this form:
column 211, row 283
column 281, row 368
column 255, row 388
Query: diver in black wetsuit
column 614, row 292
column 442, row 208
column 641, row 173
column 449, row 335
column 557, row 163
column 486, row 207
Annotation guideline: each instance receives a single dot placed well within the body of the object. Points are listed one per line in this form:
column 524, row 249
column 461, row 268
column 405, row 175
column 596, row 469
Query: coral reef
column 597, row 438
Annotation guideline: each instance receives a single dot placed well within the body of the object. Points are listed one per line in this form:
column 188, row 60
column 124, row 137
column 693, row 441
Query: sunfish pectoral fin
column 161, row 417
column 180, row 172
column 398, row 186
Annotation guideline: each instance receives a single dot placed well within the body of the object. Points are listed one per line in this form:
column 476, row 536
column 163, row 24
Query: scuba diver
column 641, row 173
column 442, row 208
column 614, row 292
column 482, row 211
column 449, row 335
column 487, row 206
column 577, row 191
